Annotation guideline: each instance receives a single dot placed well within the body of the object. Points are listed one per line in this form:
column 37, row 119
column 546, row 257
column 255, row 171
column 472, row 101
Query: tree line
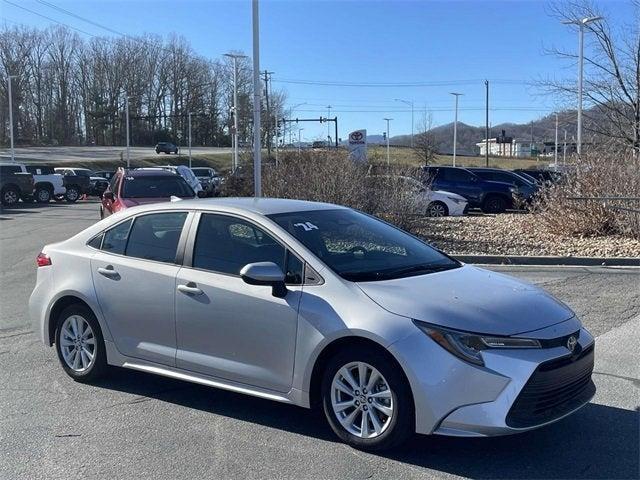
column 70, row 91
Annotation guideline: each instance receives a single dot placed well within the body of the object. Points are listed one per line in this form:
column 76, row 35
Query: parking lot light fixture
column 455, row 127
column 581, row 23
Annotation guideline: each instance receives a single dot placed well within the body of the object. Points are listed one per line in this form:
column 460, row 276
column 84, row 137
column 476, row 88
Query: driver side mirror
column 108, row 196
column 265, row 273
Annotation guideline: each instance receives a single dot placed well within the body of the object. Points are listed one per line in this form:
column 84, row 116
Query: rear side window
column 9, row 169
column 39, row 170
column 155, row 237
column 455, row 175
column 115, row 239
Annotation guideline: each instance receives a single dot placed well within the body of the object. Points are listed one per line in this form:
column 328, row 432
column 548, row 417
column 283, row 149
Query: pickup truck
column 15, row 185
column 489, row 196
column 48, row 184
column 77, row 181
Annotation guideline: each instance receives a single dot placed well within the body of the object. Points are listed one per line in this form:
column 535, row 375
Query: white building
column 505, row 147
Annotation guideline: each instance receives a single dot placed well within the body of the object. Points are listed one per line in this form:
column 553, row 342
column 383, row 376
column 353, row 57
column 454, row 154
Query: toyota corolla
column 314, row 305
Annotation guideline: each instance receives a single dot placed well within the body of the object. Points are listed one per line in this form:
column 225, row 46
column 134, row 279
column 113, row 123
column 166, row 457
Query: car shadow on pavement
column 596, row 442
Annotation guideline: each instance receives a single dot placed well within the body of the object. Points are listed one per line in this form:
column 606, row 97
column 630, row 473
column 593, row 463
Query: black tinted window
column 455, row 175
column 9, row 169
column 95, row 242
column 115, row 239
column 226, row 244
column 156, row 236
column 156, row 187
column 39, row 170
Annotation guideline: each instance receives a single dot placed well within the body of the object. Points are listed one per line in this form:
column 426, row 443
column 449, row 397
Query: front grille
column 556, row 388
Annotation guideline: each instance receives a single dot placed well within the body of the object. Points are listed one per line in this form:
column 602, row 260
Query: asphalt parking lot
column 134, row 425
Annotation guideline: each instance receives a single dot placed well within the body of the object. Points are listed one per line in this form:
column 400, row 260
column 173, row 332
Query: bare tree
column 612, row 72
column 424, row 143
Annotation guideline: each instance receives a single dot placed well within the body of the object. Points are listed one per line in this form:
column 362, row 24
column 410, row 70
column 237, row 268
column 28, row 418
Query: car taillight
column 43, row 260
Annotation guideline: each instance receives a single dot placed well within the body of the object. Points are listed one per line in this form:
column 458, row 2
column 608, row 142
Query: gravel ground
column 517, row 234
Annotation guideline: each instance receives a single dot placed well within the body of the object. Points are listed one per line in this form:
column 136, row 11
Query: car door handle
column 108, row 271
column 190, row 289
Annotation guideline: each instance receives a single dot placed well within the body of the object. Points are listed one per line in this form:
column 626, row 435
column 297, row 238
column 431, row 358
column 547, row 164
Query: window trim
column 193, row 232
column 182, row 241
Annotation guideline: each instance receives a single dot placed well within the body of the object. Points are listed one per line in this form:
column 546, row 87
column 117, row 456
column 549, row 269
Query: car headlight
column 456, row 200
column 514, row 190
column 467, row 346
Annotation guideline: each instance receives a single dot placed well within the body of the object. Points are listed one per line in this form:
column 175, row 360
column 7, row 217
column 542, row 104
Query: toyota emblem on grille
column 572, row 341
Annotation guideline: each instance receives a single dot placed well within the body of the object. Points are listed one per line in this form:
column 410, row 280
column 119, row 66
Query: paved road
column 91, row 154
column 135, row 425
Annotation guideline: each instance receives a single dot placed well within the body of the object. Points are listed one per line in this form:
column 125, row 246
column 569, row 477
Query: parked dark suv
column 526, row 188
column 491, row 197
column 166, row 147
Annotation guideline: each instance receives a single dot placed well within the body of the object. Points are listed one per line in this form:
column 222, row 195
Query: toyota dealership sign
column 358, row 145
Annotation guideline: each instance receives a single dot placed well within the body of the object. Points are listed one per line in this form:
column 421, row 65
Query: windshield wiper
column 395, row 273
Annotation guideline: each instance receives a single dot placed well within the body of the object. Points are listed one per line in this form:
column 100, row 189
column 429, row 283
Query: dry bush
column 600, row 173
column 332, row 177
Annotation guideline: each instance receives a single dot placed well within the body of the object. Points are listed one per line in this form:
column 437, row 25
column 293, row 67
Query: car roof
column 261, row 206
column 159, row 172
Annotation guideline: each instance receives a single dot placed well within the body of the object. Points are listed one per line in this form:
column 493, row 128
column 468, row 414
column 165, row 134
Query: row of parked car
column 43, row 183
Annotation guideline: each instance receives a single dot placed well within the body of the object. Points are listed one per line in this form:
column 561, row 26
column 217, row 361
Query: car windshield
column 156, row 187
column 361, row 248
column 202, row 172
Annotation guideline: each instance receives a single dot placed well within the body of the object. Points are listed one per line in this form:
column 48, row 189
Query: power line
column 49, row 18
column 442, row 83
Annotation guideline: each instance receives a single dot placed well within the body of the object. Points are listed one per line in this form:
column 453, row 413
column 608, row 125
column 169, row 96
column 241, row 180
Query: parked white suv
column 48, row 183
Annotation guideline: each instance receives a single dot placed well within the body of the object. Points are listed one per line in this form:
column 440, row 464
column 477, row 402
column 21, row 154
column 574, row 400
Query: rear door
column 463, row 183
column 134, row 275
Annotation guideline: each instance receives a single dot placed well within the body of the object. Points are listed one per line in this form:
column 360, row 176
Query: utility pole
column 388, row 120
column 555, row 153
column 300, row 139
column 234, row 137
column 408, row 102
column 328, row 126
column 455, row 128
column 126, row 106
column 267, row 76
column 13, row 154
column 581, row 23
column 486, row 125
column 564, row 149
column 189, row 139
column 257, row 160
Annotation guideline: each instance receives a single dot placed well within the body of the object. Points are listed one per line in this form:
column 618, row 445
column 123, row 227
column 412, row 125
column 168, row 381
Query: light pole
column 581, row 23
column 555, row 153
column 13, row 154
column 408, row 102
column 300, row 139
column 189, row 139
column 257, row 160
column 455, row 128
column 388, row 120
column 328, row 126
column 234, row 109
column 126, row 106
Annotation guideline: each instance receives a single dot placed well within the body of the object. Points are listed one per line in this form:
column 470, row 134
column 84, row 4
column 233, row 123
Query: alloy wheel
column 437, row 210
column 10, row 197
column 362, row 400
column 77, row 343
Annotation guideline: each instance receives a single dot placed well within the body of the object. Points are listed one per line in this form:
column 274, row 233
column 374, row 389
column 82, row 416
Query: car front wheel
column 10, row 196
column 367, row 400
column 80, row 345
column 437, row 209
column 43, row 195
column 72, row 195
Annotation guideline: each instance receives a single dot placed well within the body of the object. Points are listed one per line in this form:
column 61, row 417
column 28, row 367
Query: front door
column 134, row 276
column 225, row 327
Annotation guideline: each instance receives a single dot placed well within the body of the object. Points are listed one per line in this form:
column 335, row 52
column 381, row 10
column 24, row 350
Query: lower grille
column 556, row 388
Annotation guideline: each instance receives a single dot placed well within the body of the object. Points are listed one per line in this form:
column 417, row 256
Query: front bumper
column 452, row 397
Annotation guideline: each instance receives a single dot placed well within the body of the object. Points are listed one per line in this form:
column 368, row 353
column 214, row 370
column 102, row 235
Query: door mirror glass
column 265, row 273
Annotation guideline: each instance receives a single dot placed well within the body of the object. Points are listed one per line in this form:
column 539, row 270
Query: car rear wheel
column 437, row 209
column 72, row 195
column 43, row 195
column 10, row 196
column 80, row 345
column 494, row 204
column 367, row 400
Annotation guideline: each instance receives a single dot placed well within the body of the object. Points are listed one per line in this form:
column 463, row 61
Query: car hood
column 470, row 299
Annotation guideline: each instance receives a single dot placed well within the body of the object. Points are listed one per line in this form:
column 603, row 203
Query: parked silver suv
column 313, row 304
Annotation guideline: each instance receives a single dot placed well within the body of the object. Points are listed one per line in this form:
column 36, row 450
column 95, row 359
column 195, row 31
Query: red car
column 129, row 188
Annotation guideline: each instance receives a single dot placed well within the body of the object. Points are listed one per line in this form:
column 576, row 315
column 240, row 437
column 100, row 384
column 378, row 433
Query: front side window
column 150, row 186
column 155, row 236
column 226, row 244
column 362, row 248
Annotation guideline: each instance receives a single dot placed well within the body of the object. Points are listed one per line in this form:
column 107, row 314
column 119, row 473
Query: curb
column 547, row 260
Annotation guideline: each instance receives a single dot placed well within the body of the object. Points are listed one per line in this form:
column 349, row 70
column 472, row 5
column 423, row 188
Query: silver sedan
column 315, row 305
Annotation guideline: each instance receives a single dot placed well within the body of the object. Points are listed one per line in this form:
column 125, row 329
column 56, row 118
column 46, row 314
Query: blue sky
column 448, row 45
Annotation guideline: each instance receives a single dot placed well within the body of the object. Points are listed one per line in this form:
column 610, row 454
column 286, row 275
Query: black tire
column 437, row 209
column 10, row 196
column 494, row 204
column 99, row 367
column 401, row 425
column 43, row 194
column 72, row 195
column 58, row 198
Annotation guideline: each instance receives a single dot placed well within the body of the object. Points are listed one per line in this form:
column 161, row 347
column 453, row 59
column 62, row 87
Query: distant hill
column 542, row 130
